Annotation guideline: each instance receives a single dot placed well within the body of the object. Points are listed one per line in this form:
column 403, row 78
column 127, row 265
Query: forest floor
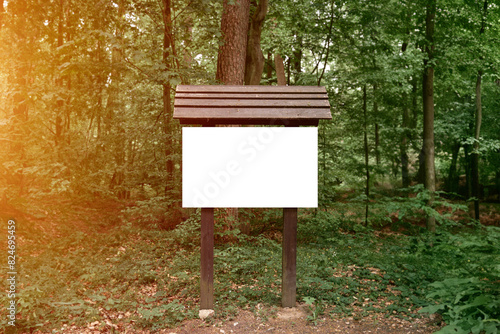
column 294, row 320
column 287, row 321
column 101, row 218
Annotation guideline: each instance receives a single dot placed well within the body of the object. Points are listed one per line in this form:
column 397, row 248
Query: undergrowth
column 149, row 278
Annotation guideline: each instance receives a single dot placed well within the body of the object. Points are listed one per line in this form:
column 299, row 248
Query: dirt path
column 295, row 321
column 272, row 320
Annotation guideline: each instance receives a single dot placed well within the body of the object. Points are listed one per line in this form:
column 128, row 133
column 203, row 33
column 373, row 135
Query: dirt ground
column 294, row 320
column 274, row 320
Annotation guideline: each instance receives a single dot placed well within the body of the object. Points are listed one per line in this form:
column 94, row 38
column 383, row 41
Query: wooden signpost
column 289, row 106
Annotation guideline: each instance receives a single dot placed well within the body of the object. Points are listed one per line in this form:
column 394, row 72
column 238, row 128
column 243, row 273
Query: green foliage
column 84, row 115
column 150, row 277
column 467, row 305
column 319, row 225
column 469, row 302
column 316, row 309
column 404, row 211
column 152, row 212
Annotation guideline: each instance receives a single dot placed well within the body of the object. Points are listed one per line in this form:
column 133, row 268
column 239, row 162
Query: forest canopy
column 87, row 91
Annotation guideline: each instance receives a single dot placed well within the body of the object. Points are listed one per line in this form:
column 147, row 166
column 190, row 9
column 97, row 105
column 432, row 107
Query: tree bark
column 452, row 181
column 168, row 45
column 269, row 66
column 367, row 166
column 280, row 70
column 297, row 59
column 405, row 175
column 475, row 153
column 232, row 56
column 477, row 128
column 254, row 58
column 232, row 52
column 428, row 102
column 377, row 126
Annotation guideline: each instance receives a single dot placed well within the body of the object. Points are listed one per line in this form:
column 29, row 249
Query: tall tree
column 477, row 121
column 254, row 58
column 232, row 51
column 428, row 103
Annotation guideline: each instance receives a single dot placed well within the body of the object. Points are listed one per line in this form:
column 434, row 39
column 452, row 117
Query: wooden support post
column 207, row 259
column 289, row 280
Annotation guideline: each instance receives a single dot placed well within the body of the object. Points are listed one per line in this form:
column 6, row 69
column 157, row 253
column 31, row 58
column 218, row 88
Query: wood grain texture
column 252, row 105
column 289, row 257
column 247, row 89
column 207, row 259
column 251, row 95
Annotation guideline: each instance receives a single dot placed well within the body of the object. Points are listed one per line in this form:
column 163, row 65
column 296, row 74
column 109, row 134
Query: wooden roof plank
column 258, row 103
column 249, row 121
column 291, row 113
column 270, row 96
column 250, row 89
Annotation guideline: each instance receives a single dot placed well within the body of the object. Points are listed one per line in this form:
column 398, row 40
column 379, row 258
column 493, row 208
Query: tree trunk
column 232, row 52
column 377, row 127
column 232, row 56
column 403, row 144
column 280, row 70
column 168, row 45
column 414, row 103
column 475, row 153
column 297, row 59
column 269, row 67
column 405, row 165
column 477, row 129
column 428, row 102
column 365, row 137
column 254, row 58
column 452, row 181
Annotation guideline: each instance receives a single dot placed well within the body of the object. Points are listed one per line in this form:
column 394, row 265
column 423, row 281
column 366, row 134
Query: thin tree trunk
column 297, row 59
column 269, row 66
column 475, row 154
column 452, row 181
column 365, row 137
column 280, row 70
column 405, row 175
column 377, row 127
column 254, row 58
column 166, row 97
column 403, row 144
column 414, row 103
column 477, row 129
column 468, row 173
column 428, row 102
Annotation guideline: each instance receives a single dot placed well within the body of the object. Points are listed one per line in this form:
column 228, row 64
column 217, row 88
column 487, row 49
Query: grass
column 125, row 275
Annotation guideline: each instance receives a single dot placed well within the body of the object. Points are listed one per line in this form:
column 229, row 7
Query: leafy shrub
column 318, row 225
column 470, row 301
column 405, row 211
column 467, row 305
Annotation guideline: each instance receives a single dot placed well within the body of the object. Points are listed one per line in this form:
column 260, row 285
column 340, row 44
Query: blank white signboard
column 249, row 167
